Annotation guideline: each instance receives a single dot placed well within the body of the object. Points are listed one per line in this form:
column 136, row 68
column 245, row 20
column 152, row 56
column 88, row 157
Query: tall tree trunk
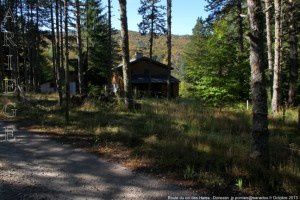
column 277, row 58
column 37, row 53
column 58, row 55
column 260, row 132
column 87, row 44
column 16, row 30
column 67, row 61
column 28, row 52
column 241, row 25
column 169, row 44
column 31, row 50
column 151, row 40
column 79, row 48
column 125, row 55
column 1, row 53
column 24, row 45
column 53, row 42
column 109, row 40
column 269, row 34
column 61, row 38
column 293, row 53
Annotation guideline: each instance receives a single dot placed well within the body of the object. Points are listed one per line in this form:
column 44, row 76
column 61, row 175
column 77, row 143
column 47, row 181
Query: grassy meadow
column 203, row 148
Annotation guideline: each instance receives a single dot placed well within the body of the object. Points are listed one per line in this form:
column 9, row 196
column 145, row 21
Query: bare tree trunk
column 277, row 58
column 125, row 55
column 269, row 34
column 241, row 25
column 79, row 48
column 293, row 53
column 260, row 133
column 53, row 42
column 110, row 40
column 32, row 59
column 58, row 55
column 37, row 53
column 67, row 61
column 1, row 53
column 24, row 48
column 28, row 52
column 87, row 46
column 169, row 44
column 151, row 40
column 61, row 39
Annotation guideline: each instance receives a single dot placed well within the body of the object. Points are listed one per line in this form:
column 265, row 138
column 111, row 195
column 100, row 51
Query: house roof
column 140, row 79
column 136, row 60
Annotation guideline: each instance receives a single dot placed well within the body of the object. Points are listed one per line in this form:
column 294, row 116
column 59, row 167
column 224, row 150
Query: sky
column 185, row 14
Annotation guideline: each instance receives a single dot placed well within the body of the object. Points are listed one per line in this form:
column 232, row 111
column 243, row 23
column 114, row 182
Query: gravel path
column 37, row 167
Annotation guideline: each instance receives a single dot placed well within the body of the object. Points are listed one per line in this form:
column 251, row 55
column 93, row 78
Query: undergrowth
column 182, row 139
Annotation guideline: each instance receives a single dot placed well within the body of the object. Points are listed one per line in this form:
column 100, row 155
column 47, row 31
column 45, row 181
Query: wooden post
column 247, row 104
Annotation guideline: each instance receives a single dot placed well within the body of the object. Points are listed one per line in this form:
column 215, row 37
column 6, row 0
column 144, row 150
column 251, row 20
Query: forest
column 216, row 112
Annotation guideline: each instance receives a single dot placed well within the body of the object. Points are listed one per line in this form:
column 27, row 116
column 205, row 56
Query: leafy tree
column 222, row 8
column 212, row 67
column 153, row 22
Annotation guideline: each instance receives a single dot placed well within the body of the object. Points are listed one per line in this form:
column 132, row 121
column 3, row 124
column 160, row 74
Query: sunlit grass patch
column 167, row 136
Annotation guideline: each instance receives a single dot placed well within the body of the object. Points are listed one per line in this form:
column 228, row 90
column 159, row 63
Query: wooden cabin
column 148, row 77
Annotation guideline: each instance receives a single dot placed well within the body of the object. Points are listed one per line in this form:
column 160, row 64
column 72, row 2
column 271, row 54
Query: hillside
column 137, row 42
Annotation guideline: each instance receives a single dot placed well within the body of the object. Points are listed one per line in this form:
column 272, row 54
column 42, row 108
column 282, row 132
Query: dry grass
column 180, row 139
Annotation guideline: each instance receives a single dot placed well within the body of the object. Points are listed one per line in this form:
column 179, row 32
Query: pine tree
column 260, row 132
column 153, row 22
column 110, row 32
column 98, row 39
column 1, row 47
column 269, row 33
column 169, row 42
column 294, row 63
column 79, row 47
column 58, row 54
column 66, row 14
column 53, row 42
column 277, row 58
column 125, row 55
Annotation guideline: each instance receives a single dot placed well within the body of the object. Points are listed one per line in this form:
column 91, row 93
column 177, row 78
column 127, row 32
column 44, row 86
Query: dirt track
column 37, row 167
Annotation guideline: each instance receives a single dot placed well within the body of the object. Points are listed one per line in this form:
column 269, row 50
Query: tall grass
column 182, row 139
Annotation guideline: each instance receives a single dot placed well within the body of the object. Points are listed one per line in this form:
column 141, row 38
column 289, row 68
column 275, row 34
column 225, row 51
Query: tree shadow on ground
column 47, row 169
column 215, row 143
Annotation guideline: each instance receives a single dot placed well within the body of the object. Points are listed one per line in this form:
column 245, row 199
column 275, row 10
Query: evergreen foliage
column 152, row 12
column 153, row 20
column 97, row 33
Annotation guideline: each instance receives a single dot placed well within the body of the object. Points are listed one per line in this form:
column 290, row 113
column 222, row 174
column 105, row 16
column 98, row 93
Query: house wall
column 141, row 68
column 174, row 87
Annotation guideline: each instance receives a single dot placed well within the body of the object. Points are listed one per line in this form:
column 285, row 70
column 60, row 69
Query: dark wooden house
column 148, row 77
